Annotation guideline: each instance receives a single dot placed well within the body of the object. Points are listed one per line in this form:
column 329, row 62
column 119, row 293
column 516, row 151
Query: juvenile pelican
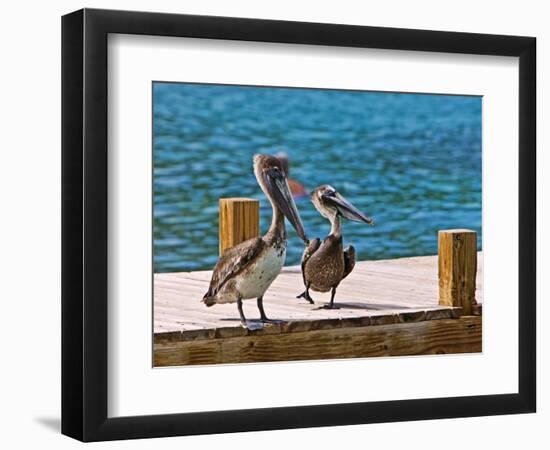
column 325, row 264
column 247, row 270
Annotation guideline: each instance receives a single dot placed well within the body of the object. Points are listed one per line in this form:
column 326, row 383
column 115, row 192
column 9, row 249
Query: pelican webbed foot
column 263, row 317
column 331, row 304
column 248, row 324
column 253, row 325
column 265, row 320
column 306, row 295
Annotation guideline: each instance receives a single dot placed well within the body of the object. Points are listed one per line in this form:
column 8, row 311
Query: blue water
column 411, row 161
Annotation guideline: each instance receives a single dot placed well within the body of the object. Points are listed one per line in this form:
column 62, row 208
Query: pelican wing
column 310, row 249
column 349, row 260
column 233, row 261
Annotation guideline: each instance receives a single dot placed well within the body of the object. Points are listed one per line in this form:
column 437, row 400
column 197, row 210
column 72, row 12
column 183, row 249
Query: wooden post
column 457, row 268
column 239, row 221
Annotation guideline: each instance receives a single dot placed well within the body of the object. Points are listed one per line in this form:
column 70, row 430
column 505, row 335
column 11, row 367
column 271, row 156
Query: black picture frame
column 84, row 224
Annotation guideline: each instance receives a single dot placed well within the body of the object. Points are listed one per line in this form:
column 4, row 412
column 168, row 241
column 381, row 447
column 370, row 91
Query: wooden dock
column 387, row 308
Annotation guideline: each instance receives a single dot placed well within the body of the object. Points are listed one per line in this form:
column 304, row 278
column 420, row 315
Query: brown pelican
column 325, row 264
column 247, row 270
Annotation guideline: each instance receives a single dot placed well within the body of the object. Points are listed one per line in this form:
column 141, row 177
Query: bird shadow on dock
column 371, row 306
column 340, row 307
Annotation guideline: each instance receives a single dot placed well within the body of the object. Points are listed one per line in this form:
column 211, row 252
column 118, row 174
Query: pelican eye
column 274, row 172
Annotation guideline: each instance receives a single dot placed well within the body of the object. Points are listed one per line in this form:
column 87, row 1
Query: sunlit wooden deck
column 388, row 307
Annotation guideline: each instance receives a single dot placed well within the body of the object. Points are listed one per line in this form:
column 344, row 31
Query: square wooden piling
column 457, row 268
column 239, row 221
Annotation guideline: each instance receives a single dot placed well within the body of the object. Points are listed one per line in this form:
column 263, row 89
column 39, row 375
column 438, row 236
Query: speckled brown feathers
column 349, row 260
column 324, row 269
column 310, row 249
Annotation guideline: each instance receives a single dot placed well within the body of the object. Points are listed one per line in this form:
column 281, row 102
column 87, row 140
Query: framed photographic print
column 267, row 224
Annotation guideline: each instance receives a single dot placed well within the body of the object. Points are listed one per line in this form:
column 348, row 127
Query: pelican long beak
column 278, row 188
column 346, row 209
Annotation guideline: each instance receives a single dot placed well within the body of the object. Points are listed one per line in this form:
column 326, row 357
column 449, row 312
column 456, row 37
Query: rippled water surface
column 411, row 161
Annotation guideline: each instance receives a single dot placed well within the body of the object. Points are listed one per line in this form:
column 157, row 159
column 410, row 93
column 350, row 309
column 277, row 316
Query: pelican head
column 331, row 204
column 272, row 178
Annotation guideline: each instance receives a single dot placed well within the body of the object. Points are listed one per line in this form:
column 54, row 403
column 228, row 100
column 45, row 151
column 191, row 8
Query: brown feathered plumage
column 233, row 261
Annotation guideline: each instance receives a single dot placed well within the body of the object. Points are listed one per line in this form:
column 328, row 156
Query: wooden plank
column 461, row 335
column 239, row 221
column 376, row 291
column 299, row 325
column 457, row 268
